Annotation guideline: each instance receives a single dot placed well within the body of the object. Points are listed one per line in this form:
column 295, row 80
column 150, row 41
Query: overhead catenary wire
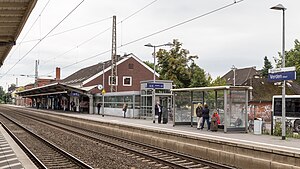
column 72, row 29
column 182, row 23
column 75, row 47
column 44, row 37
column 157, row 32
column 15, row 49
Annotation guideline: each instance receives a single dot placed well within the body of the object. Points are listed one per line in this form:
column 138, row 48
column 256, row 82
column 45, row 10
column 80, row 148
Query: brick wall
column 138, row 73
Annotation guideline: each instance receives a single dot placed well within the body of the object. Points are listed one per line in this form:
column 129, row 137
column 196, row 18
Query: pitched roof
column 264, row 90
column 241, row 75
column 87, row 72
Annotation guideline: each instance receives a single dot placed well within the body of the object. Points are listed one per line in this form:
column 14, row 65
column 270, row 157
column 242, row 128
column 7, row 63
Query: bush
column 278, row 130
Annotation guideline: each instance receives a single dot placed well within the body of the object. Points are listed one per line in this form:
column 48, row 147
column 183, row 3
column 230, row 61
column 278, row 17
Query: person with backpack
column 199, row 110
column 205, row 116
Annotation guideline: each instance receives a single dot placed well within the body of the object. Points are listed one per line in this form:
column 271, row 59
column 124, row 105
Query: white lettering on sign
column 276, row 76
column 285, row 69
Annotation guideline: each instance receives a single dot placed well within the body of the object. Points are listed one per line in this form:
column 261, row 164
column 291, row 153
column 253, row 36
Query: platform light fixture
column 154, row 72
column 282, row 8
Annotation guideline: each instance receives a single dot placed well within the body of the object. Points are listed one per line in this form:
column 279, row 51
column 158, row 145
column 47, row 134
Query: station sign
column 75, row 94
column 280, row 74
column 155, row 85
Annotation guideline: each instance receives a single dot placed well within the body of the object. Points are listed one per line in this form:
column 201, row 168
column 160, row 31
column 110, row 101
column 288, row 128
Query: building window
column 130, row 66
column 127, row 81
column 113, row 81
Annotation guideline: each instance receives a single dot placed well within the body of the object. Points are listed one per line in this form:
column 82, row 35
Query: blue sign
column 75, row 94
column 280, row 76
column 155, row 85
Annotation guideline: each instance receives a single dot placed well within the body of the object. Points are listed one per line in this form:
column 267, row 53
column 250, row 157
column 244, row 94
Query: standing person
column 158, row 111
column 99, row 106
column 72, row 106
column 205, row 116
column 124, row 109
column 199, row 110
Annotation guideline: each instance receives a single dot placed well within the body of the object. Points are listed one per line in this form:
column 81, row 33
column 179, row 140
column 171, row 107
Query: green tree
column 151, row 65
column 267, row 66
column 2, row 94
column 175, row 65
column 292, row 58
column 218, row 82
column 198, row 76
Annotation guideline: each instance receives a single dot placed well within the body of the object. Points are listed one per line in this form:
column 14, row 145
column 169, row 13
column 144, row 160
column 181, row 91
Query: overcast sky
column 240, row 35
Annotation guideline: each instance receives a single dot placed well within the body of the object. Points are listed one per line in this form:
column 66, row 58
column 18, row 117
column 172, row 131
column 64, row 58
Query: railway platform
column 274, row 142
column 11, row 155
column 246, row 149
column 242, row 150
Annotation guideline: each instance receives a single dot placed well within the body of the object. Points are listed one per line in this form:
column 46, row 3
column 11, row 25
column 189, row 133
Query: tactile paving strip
column 8, row 159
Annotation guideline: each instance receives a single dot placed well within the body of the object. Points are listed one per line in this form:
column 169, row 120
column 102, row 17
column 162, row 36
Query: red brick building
column 130, row 72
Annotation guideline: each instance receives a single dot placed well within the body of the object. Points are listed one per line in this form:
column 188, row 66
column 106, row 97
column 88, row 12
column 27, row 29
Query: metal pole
column 246, row 111
column 153, row 94
column 102, row 90
column 283, row 84
column 154, row 64
column 233, row 76
column 225, row 111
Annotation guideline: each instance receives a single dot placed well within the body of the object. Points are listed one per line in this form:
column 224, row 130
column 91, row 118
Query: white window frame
column 109, row 77
column 124, row 77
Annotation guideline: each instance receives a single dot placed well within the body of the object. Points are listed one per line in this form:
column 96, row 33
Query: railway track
column 161, row 157
column 43, row 153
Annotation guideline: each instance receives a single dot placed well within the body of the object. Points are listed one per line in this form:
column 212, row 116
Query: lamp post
column 281, row 7
column 153, row 91
column 233, row 69
column 103, row 90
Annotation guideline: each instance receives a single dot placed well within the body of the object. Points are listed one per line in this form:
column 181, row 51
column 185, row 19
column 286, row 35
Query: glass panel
column 146, row 106
column 120, row 99
column 236, row 109
column 149, row 92
column 220, row 106
column 128, row 99
column 198, row 97
column 183, row 107
column 162, row 91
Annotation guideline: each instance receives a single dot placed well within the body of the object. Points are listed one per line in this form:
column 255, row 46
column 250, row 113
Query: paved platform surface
column 265, row 141
column 11, row 155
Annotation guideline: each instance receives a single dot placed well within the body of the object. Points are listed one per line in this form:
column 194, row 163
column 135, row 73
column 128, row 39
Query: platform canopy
column 13, row 16
column 52, row 89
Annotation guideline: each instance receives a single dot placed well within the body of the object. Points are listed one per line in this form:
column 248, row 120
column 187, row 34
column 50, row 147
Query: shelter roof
column 13, row 16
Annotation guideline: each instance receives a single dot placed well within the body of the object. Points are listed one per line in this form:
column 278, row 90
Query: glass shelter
column 153, row 92
column 230, row 102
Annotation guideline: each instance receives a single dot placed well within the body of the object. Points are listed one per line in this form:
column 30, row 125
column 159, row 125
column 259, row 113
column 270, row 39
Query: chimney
column 57, row 75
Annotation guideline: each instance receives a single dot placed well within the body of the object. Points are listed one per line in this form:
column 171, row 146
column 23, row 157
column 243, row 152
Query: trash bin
column 257, row 126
